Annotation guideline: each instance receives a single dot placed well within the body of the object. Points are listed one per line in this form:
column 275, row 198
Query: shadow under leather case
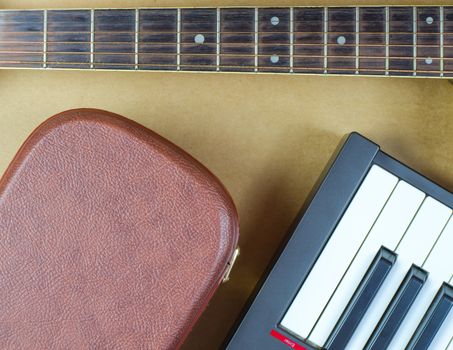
column 111, row 237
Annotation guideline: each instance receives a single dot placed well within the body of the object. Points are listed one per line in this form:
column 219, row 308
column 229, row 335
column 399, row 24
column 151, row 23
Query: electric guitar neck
column 379, row 41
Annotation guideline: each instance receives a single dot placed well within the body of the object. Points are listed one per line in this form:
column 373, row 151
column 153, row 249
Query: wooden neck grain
column 387, row 41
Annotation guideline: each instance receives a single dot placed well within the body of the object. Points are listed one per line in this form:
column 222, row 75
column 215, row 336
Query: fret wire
column 45, row 39
column 218, row 39
column 178, row 40
column 291, row 39
column 200, row 66
column 387, row 40
column 357, row 39
column 325, row 38
column 256, row 38
column 414, row 14
column 137, row 30
column 92, row 39
column 441, row 41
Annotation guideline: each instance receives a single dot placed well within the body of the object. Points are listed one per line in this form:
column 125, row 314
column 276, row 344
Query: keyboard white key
column 440, row 266
column 450, row 344
column 444, row 337
column 387, row 231
column 339, row 251
column 415, row 246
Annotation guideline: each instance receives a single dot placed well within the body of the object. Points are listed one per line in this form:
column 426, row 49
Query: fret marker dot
column 275, row 58
column 428, row 60
column 199, row 39
column 275, row 20
column 429, row 20
column 341, row 40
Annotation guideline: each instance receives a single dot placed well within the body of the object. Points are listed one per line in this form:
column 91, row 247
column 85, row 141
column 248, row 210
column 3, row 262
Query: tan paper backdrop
column 266, row 137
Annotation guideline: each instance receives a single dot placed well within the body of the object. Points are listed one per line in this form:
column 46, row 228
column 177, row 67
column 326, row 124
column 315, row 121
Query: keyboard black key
column 433, row 319
column 397, row 309
column 362, row 298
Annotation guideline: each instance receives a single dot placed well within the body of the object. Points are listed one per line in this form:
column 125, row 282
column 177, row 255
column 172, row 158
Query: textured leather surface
column 111, row 237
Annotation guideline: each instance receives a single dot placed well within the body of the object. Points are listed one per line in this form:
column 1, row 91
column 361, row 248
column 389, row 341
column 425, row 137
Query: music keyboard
column 368, row 266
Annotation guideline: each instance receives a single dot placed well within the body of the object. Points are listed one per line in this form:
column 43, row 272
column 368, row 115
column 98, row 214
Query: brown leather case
column 111, row 237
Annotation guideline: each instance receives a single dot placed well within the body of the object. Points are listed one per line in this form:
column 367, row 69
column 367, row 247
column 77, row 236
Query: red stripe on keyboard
column 286, row 341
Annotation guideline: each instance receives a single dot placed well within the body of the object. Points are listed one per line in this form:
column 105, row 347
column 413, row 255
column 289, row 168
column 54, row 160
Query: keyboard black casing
column 311, row 231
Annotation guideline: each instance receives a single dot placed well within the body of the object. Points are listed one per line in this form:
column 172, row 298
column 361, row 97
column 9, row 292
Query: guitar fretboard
column 388, row 41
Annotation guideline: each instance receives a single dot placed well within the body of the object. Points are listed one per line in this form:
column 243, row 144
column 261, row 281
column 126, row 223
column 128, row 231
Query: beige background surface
column 267, row 137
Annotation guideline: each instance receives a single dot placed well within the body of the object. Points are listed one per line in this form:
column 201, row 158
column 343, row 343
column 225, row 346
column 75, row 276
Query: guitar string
column 238, row 55
column 211, row 44
column 213, row 18
column 238, row 68
column 226, row 44
column 282, row 22
column 283, row 17
column 206, row 44
column 344, row 32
